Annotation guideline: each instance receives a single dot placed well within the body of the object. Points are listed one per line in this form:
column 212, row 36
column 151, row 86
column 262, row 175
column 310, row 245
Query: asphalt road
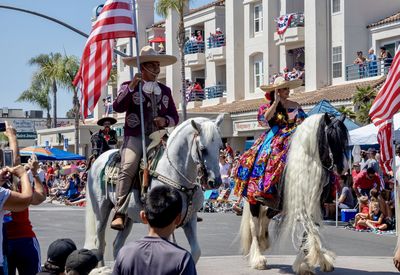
column 217, row 234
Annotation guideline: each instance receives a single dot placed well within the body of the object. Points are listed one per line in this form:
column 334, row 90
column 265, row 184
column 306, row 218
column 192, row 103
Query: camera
column 2, row 126
column 6, row 158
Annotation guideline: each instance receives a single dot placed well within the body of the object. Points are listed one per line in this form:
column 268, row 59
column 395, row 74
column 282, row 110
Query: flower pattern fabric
column 260, row 168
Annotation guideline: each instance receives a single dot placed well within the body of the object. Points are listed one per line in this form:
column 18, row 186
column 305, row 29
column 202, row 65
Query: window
column 258, row 73
column 335, row 6
column 258, row 18
column 337, row 62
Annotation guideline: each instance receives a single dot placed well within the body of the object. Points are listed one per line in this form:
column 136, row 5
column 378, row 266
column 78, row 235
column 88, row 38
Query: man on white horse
column 109, row 134
column 159, row 112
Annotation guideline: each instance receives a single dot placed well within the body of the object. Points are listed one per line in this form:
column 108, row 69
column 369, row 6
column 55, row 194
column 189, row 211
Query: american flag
column 114, row 21
column 385, row 105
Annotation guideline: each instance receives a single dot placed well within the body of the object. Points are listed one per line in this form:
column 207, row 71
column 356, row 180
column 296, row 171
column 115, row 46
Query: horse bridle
column 98, row 149
column 189, row 192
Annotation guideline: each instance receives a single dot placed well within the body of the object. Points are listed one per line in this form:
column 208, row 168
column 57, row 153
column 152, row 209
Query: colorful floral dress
column 260, row 168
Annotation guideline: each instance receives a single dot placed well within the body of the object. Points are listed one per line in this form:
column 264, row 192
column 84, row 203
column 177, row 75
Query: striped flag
column 385, row 105
column 114, row 21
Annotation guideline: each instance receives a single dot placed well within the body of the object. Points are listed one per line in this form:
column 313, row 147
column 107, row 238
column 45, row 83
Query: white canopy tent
column 367, row 135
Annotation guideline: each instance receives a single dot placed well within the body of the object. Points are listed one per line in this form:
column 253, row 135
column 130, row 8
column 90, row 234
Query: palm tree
column 68, row 70
column 49, row 71
column 347, row 112
column 362, row 100
column 38, row 94
column 163, row 8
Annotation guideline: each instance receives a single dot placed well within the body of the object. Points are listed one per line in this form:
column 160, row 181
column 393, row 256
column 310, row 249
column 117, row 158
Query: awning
column 157, row 39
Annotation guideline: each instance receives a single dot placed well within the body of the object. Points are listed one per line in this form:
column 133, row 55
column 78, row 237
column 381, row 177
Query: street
column 358, row 252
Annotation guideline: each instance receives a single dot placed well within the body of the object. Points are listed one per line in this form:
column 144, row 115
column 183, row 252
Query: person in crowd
column 260, row 168
column 193, row 37
column 197, row 87
column 159, row 112
column 154, row 254
column 376, row 220
column 376, row 197
column 228, row 149
column 199, row 37
column 224, row 169
column 57, row 255
column 109, row 134
column 218, row 31
column 364, row 158
column 363, row 212
column 365, row 181
column 345, row 200
column 23, row 249
column 372, row 64
column 386, row 58
column 360, row 60
column 81, row 262
column 371, row 161
column 356, row 170
column 70, row 191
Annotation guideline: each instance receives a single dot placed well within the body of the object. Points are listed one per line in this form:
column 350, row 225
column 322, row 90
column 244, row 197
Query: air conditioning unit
column 36, row 114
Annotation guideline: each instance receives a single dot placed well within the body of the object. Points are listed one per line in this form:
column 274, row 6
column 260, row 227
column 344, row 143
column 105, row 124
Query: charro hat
column 148, row 54
column 101, row 121
column 280, row 83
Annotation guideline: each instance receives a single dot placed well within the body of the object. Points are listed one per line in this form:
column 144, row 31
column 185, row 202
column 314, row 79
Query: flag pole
column 133, row 3
column 396, row 195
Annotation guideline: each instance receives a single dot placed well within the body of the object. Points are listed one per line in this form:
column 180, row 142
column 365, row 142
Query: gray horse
column 192, row 146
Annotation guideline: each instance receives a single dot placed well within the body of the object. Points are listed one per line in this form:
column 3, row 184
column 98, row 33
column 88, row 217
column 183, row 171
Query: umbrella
column 37, row 150
column 157, row 39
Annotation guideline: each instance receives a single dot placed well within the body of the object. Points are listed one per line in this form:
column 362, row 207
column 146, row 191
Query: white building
column 323, row 38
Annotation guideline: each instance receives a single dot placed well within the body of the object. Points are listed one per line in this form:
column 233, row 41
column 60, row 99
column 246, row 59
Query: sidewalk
column 349, row 265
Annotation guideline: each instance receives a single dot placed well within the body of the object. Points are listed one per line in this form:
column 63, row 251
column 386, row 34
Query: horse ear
column 196, row 125
column 91, row 133
column 342, row 117
column 219, row 120
column 327, row 118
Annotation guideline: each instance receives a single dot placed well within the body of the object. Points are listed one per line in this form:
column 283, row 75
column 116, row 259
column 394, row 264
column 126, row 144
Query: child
column 154, row 254
column 363, row 213
column 376, row 220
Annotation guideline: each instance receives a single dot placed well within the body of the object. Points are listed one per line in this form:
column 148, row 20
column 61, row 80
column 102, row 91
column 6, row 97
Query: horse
column 192, row 146
column 317, row 147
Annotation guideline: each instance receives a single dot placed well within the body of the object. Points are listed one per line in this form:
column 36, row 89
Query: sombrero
column 148, row 54
column 101, row 121
column 280, row 83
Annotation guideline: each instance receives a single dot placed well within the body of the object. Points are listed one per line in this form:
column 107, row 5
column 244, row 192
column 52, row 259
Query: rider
column 159, row 112
column 109, row 134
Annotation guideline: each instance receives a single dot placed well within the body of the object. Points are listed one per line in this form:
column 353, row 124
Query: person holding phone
column 23, row 250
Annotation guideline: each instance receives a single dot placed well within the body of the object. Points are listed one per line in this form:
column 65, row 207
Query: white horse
column 192, row 146
column 317, row 147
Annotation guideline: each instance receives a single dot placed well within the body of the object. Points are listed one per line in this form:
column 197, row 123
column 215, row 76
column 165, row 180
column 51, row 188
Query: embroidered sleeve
column 121, row 103
column 261, row 115
column 172, row 114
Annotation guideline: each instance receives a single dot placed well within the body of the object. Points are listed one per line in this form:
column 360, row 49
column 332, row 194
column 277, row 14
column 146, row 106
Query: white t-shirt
column 4, row 194
column 41, row 174
column 224, row 170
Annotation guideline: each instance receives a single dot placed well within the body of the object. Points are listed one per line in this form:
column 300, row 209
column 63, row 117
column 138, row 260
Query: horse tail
column 245, row 232
column 90, row 220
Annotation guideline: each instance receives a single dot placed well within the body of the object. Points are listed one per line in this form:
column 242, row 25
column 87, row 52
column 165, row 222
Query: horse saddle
column 154, row 153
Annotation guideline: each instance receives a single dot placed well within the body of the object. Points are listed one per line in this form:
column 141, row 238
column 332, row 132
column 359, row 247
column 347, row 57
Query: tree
column 71, row 113
column 347, row 112
column 38, row 94
column 362, row 100
column 163, row 8
column 49, row 72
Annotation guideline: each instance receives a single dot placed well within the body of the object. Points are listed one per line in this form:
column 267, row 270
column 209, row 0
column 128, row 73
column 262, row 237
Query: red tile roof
column 393, row 18
column 335, row 93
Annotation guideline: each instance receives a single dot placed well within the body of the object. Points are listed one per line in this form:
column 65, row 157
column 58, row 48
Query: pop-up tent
column 325, row 107
column 64, row 155
column 367, row 135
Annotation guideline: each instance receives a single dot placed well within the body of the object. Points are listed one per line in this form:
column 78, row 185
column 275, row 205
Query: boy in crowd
column 154, row 254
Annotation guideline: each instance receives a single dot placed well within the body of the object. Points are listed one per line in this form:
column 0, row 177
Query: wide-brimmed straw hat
column 148, row 54
column 280, row 83
column 101, row 121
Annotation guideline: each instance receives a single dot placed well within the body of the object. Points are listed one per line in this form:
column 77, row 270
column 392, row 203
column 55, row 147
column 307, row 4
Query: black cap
column 82, row 261
column 59, row 250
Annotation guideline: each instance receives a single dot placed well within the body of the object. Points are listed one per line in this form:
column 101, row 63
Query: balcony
column 293, row 34
column 215, row 95
column 216, row 51
column 194, row 54
column 368, row 69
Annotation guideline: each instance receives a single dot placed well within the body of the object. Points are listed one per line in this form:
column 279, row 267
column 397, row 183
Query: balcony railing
column 368, row 69
column 297, row 20
column 215, row 91
column 216, row 41
column 194, row 47
column 195, row 95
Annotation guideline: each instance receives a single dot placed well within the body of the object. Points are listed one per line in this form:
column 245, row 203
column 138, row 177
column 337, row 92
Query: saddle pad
column 112, row 168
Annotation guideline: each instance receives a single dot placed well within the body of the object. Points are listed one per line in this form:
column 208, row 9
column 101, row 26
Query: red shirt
column 354, row 174
column 20, row 226
column 361, row 181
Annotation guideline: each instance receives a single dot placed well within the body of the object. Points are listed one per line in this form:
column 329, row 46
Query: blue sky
column 24, row 36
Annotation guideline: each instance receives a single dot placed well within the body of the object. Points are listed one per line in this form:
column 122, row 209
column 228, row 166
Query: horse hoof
column 260, row 263
column 304, row 269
